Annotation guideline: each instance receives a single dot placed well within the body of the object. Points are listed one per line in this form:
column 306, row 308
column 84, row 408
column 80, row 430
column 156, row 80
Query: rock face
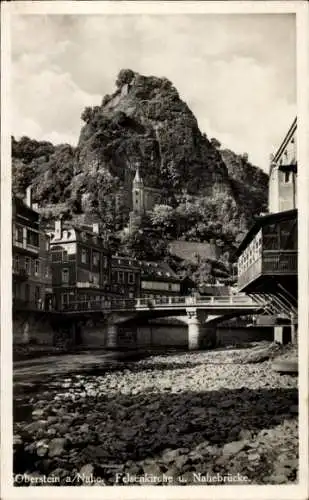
column 144, row 121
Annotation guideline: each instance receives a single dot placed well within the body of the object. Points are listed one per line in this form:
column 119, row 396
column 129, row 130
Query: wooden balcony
column 282, row 262
column 271, row 263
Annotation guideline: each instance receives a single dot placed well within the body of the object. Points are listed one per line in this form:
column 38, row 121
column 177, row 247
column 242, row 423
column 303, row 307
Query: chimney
column 58, row 229
column 96, row 228
column 28, row 199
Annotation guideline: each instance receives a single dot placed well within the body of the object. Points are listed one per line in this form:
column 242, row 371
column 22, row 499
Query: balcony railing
column 250, row 274
column 272, row 262
column 284, row 262
column 26, row 246
column 87, row 284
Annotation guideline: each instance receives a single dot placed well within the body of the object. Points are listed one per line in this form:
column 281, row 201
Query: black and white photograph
column 153, row 218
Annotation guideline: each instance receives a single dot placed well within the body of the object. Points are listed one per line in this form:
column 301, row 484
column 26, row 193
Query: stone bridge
column 199, row 313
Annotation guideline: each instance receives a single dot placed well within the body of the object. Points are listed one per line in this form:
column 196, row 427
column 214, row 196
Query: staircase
column 281, row 303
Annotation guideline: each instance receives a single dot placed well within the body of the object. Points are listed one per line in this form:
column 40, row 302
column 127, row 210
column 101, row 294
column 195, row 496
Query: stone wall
column 230, row 336
column 163, row 335
column 177, row 335
column 29, row 328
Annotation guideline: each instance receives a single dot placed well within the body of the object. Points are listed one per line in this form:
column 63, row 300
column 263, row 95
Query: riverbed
column 174, row 418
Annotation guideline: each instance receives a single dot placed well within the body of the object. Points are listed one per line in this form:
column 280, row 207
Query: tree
column 162, row 219
column 87, row 114
column 124, row 76
column 215, row 143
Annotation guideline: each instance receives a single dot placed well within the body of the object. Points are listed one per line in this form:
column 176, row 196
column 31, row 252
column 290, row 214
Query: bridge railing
column 148, row 303
column 96, row 305
column 187, row 301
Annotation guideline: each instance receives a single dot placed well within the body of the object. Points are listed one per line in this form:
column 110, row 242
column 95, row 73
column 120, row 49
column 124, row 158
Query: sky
column 237, row 73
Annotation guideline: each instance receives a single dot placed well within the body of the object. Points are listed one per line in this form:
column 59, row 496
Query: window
column 95, row 258
column 120, row 277
column 19, row 234
column 65, row 276
column 27, row 265
column 131, row 278
column 46, row 272
column 65, row 256
column 16, row 263
column 64, row 299
column 84, row 256
column 36, row 267
column 32, row 238
column 56, row 256
column 287, row 177
column 46, row 244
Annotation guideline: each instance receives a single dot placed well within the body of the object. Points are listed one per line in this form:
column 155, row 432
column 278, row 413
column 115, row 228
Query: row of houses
column 72, row 264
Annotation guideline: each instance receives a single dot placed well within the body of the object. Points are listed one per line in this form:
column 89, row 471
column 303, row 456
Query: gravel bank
column 183, row 418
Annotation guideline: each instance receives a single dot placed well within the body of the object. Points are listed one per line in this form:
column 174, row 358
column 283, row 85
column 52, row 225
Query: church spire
column 137, row 178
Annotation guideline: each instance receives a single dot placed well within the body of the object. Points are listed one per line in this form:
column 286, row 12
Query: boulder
column 56, row 447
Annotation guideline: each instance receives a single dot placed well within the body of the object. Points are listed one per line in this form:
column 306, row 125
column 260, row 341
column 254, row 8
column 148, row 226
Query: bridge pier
column 194, row 331
column 112, row 336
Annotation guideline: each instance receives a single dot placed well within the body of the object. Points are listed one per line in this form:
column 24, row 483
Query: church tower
column 138, row 201
column 138, row 194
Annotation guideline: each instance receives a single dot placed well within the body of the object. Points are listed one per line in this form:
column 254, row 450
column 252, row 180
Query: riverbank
column 180, row 415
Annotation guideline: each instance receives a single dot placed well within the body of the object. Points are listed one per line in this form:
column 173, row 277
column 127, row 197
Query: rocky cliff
column 144, row 121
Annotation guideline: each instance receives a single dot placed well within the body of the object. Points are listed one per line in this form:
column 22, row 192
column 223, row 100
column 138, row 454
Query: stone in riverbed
column 38, row 413
column 181, row 461
column 31, row 428
column 42, row 450
column 171, row 455
column 51, row 432
column 278, row 479
column 84, row 428
column 233, row 448
column 56, row 447
column 86, row 470
column 228, row 403
column 245, row 434
column 60, row 473
column 152, row 469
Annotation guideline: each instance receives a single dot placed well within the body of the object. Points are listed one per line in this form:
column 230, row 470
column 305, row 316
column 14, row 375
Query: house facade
column 283, row 174
column 158, row 279
column 31, row 270
column 81, row 265
column 126, row 277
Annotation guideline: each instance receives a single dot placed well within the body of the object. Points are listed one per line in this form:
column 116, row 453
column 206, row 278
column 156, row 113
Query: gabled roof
column 158, row 270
